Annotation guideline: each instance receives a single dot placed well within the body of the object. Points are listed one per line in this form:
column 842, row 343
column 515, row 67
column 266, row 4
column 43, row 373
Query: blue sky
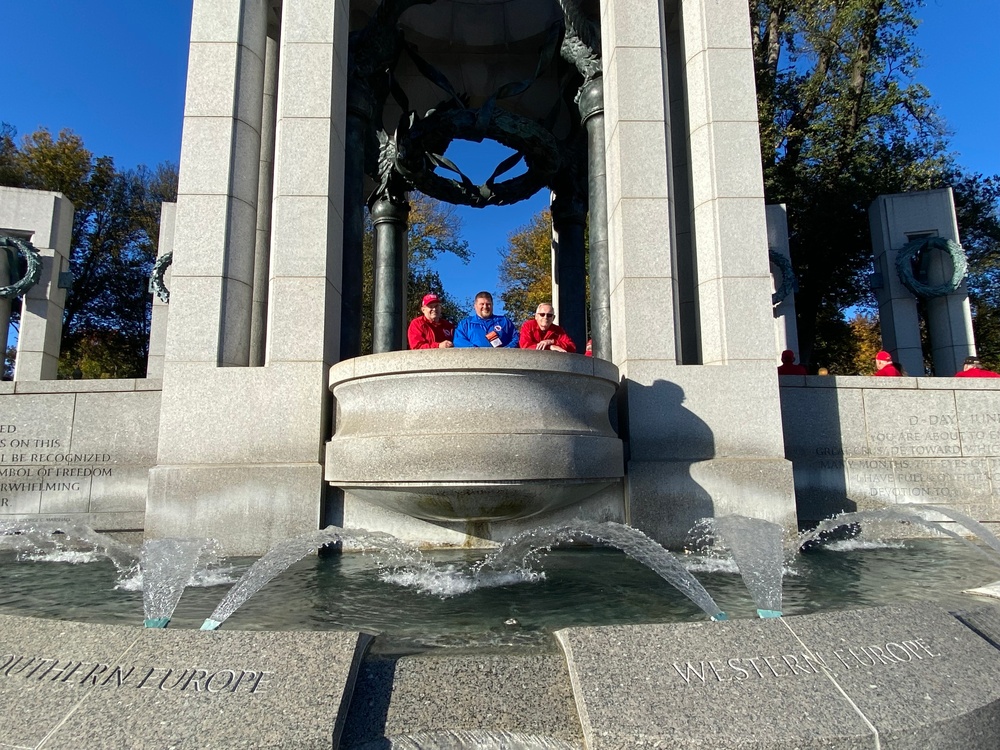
column 113, row 72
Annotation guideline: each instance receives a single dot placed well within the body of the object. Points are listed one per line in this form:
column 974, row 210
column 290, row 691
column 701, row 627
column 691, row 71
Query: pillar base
column 248, row 509
column 667, row 498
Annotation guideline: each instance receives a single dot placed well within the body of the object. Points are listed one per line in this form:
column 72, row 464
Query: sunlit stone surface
column 473, row 434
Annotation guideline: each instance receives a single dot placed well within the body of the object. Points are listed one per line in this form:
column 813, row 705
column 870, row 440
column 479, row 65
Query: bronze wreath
column 156, row 284
column 912, row 249
column 789, row 284
column 423, row 146
column 32, row 260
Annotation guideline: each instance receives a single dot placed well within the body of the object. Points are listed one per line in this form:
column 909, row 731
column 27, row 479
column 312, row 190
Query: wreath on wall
column 905, row 261
column 156, row 284
column 15, row 247
column 789, row 284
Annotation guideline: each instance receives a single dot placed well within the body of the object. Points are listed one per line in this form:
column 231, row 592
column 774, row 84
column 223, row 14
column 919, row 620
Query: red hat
column 884, row 356
column 788, row 356
column 430, row 299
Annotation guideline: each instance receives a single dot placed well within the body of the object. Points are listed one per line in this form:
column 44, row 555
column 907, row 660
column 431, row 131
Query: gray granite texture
column 71, row 685
column 881, row 678
column 984, row 620
column 527, row 694
column 858, row 443
column 473, row 434
column 77, row 451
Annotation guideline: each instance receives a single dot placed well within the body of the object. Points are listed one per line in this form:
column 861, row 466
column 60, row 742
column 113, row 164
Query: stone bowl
column 473, row 434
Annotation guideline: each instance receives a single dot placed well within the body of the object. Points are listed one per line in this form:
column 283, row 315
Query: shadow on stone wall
column 815, row 444
column 664, row 494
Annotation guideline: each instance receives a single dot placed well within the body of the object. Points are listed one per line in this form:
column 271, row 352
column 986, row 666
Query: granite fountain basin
column 473, row 434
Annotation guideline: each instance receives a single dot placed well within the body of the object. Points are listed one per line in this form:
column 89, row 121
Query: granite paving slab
column 984, row 619
column 922, row 678
column 443, row 694
column 73, row 685
column 904, row 677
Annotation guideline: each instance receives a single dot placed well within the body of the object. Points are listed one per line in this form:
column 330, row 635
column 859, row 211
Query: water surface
column 442, row 602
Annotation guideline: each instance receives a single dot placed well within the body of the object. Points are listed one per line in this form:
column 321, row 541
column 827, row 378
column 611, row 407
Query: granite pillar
column 212, row 276
column 262, row 249
column 696, row 445
column 389, row 218
column 786, row 331
column 242, row 444
column 6, row 278
column 360, row 109
column 895, row 220
column 45, row 219
column 158, row 320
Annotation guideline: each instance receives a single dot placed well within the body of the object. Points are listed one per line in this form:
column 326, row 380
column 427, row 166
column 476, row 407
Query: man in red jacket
column 542, row 333
column 788, row 366
column 973, row 368
column 884, row 366
column 430, row 330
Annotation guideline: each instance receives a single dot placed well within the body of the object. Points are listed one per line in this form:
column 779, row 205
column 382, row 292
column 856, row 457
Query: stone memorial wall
column 861, row 443
column 78, row 451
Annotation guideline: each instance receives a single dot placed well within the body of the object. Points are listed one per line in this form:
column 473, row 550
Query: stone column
column 569, row 221
column 5, row 279
column 730, row 231
column 697, row 445
column 212, row 274
column 592, row 114
column 158, row 322
column 308, row 224
column 262, row 250
column 895, row 220
column 949, row 317
column 390, row 220
column 786, row 330
column 360, row 108
column 45, row 219
column 239, row 455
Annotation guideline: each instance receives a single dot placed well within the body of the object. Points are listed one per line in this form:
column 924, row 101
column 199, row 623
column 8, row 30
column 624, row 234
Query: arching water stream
column 516, row 595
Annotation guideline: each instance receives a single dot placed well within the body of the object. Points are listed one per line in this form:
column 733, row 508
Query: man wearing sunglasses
column 541, row 333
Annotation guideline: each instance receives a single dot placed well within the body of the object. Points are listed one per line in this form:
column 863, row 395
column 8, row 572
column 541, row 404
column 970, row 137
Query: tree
column 115, row 231
column 434, row 229
column 526, row 267
column 977, row 205
column 10, row 353
column 842, row 121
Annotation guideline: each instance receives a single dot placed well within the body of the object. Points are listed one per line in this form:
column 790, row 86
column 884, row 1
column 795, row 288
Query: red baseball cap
column 884, row 356
column 430, row 299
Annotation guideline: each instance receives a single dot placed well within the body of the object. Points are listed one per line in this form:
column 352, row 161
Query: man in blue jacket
column 484, row 329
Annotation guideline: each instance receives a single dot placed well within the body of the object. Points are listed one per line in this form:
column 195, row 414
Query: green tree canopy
column 526, row 267
column 115, row 231
column 843, row 121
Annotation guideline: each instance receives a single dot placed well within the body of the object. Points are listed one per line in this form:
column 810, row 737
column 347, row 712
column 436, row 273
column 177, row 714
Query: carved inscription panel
column 776, row 666
column 83, row 674
column 39, row 472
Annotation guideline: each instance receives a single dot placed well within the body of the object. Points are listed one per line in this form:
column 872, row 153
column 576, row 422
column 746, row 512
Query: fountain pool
column 439, row 601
